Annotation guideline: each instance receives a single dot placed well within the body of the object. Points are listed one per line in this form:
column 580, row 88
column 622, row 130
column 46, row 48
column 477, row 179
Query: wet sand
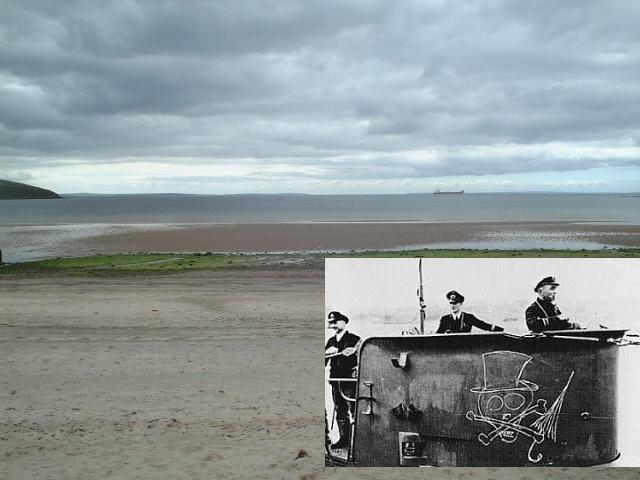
column 199, row 375
column 364, row 236
column 33, row 242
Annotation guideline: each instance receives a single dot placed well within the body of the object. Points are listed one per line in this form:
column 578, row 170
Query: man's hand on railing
column 331, row 350
column 348, row 351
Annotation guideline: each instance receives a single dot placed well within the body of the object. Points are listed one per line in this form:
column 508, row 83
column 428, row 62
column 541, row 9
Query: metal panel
column 487, row 400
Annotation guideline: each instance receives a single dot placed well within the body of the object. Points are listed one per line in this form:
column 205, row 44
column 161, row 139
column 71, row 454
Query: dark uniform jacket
column 464, row 324
column 544, row 315
column 342, row 366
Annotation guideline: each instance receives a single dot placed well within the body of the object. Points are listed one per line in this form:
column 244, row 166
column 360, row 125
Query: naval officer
column 458, row 321
column 544, row 314
column 341, row 352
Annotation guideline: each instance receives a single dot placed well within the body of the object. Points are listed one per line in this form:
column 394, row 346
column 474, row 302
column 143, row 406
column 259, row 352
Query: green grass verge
column 153, row 263
column 127, row 264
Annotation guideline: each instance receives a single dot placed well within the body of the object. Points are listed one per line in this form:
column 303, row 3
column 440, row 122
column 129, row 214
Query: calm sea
column 147, row 209
column 34, row 229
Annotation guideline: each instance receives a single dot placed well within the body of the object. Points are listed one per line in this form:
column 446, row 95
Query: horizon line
column 530, row 192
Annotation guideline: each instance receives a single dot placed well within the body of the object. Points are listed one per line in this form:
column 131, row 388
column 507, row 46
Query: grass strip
column 158, row 263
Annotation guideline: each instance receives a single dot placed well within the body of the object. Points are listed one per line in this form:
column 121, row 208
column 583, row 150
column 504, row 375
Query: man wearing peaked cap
column 455, row 296
column 546, row 281
column 458, row 321
column 544, row 314
column 341, row 353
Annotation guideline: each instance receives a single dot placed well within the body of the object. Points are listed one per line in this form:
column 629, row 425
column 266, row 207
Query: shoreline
column 36, row 242
column 326, row 237
column 337, row 222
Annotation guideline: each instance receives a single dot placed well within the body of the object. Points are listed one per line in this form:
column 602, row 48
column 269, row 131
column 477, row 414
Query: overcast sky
column 320, row 96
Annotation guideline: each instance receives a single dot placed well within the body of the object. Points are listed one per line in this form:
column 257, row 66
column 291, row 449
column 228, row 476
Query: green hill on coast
column 14, row 190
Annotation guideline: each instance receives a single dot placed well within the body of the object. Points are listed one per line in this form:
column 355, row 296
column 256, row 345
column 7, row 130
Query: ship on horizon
column 439, row 192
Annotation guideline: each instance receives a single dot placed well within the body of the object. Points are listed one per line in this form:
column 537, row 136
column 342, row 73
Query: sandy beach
column 33, row 242
column 359, row 236
column 197, row 375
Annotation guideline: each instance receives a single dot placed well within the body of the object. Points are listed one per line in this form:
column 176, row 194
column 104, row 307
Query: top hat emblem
column 503, row 372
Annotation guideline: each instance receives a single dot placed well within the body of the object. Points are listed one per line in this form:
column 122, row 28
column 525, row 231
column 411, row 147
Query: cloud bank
column 222, row 97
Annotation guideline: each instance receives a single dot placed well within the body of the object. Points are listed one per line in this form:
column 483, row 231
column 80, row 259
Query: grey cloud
column 317, row 83
column 458, row 164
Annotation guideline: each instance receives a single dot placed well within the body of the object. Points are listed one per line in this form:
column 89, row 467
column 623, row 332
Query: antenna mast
column 423, row 306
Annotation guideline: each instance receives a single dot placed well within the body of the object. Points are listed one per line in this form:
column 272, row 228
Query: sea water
column 34, row 229
column 150, row 209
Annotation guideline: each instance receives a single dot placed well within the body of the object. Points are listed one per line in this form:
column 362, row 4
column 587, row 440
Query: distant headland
column 15, row 190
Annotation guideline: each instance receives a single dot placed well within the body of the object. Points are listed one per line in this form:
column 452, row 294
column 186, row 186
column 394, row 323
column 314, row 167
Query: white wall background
column 379, row 295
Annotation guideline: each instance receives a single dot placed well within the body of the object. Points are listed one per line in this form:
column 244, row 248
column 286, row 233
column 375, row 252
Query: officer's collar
column 341, row 334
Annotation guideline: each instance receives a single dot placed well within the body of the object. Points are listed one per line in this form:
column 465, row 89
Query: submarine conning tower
column 486, row 399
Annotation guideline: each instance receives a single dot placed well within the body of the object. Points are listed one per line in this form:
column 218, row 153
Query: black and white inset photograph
column 476, row 362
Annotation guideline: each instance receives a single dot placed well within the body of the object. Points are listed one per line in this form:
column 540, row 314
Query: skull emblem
column 506, row 398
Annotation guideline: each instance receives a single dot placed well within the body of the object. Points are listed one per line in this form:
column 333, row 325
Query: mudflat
column 360, row 236
column 33, row 242
column 209, row 374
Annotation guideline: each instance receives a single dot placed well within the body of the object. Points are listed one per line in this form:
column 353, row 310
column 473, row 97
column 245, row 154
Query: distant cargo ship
column 438, row 192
